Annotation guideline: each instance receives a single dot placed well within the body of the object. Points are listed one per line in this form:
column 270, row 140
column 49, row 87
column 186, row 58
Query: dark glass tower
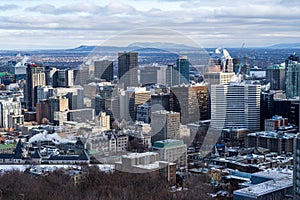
column 35, row 76
column 104, row 70
column 127, row 69
column 182, row 71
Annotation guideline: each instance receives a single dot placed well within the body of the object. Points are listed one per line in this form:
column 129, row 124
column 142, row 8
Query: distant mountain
column 285, row 46
column 160, row 45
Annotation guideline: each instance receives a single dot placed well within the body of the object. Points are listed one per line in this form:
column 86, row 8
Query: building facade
column 128, row 69
column 235, row 106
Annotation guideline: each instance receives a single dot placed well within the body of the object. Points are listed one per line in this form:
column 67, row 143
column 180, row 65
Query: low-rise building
column 275, row 141
column 172, row 151
column 147, row 162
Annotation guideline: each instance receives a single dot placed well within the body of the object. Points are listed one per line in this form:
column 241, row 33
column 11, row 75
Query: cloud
column 67, row 9
column 8, row 7
column 119, row 8
column 210, row 22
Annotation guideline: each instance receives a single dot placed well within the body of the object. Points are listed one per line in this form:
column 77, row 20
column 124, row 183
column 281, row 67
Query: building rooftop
column 272, row 134
column 265, row 187
column 281, row 66
column 139, row 155
column 167, row 143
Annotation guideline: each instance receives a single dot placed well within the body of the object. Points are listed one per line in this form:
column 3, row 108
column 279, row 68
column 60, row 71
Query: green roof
column 167, row 143
column 276, row 67
column 3, row 146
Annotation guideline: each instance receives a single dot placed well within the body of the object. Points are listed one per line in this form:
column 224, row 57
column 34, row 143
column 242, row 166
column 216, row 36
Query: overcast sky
column 30, row 24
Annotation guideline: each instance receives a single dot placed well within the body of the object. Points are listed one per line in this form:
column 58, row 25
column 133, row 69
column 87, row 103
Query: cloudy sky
column 31, row 24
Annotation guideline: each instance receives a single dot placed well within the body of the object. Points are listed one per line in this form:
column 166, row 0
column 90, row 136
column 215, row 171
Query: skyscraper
column 35, row 76
column 104, row 69
column 63, row 78
column 292, row 74
column 165, row 125
column 276, row 77
column 235, row 105
column 191, row 102
column 183, row 67
column 128, row 69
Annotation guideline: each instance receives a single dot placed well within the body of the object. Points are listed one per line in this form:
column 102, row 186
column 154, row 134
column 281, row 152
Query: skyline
column 33, row 24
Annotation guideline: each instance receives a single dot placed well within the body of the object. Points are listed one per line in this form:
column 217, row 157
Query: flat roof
column 168, row 143
column 265, row 188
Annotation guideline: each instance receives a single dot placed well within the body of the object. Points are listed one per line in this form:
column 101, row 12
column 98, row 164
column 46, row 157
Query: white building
column 10, row 113
column 235, row 106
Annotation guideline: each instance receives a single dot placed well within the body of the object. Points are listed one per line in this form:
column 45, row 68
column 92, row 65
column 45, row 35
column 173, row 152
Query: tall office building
column 104, row 69
column 235, row 106
column 216, row 78
column 191, row 102
column 183, row 67
column 276, row 77
column 42, row 111
column 149, row 75
column 143, row 113
column 10, row 108
column 130, row 99
column 49, row 73
column 63, row 78
column 161, row 100
column 81, row 76
column 103, row 121
column 292, row 74
column 35, row 76
column 165, row 125
column 57, row 104
column 128, row 69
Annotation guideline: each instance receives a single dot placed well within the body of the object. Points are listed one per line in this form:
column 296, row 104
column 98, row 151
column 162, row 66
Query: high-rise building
column 276, row 77
column 292, row 74
column 216, row 78
column 222, row 60
column 49, row 73
column 63, row 78
column 42, row 111
column 44, row 92
column 183, row 67
column 103, row 121
column 287, row 108
column 191, row 102
column 81, row 76
column 161, row 100
column 148, row 75
column 57, row 104
column 104, row 69
column 235, row 106
column 143, row 113
column 130, row 99
column 165, row 125
column 10, row 108
column 35, row 76
column 128, row 69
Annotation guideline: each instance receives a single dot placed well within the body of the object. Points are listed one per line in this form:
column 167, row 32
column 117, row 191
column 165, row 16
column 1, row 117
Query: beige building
column 165, row 125
column 216, row 78
column 172, row 151
column 103, row 121
column 147, row 163
column 191, row 102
